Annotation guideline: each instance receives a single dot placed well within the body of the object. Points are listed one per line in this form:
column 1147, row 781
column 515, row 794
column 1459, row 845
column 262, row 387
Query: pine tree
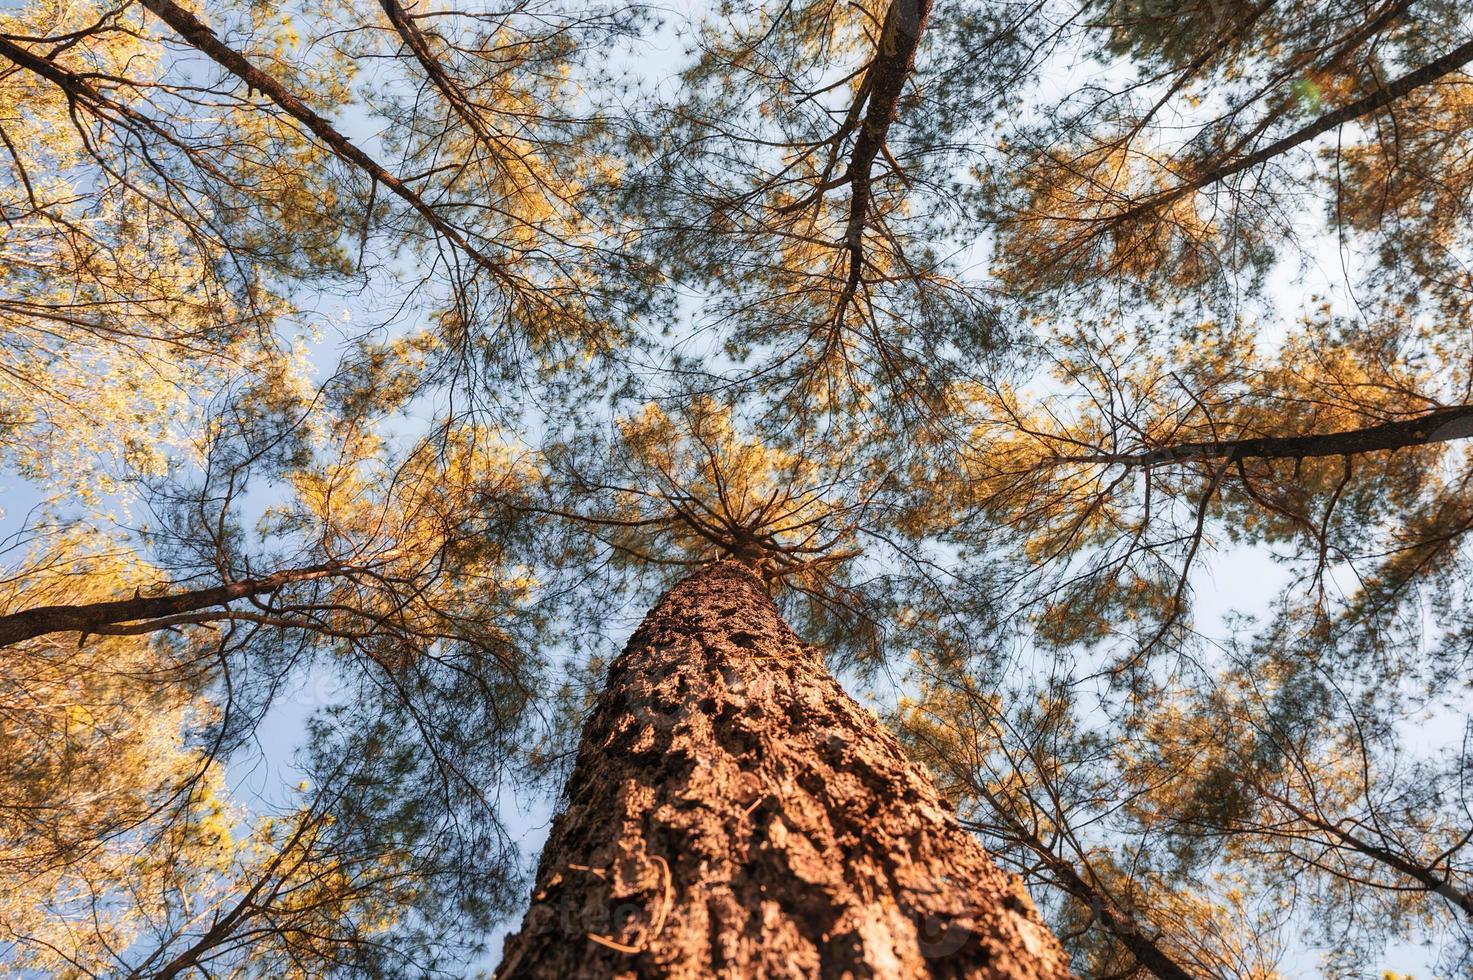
column 734, row 813
column 993, row 319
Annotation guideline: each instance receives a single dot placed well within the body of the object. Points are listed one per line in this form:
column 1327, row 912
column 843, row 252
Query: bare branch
column 199, row 36
column 1442, row 425
column 95, row 617
column 1382, row 97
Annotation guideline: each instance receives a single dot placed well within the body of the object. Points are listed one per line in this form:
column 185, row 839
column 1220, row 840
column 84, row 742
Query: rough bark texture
column 733, row 813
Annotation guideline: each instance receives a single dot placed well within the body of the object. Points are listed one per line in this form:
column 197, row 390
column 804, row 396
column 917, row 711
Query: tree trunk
column 733, row 813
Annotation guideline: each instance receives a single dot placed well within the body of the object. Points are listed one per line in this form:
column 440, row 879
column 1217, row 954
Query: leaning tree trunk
column 733, row 813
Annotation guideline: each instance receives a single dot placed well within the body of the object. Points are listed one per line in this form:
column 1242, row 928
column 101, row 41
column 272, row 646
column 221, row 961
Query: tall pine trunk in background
column 733, row 813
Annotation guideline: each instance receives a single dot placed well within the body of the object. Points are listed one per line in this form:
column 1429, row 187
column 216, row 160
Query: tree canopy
column 1091, row 381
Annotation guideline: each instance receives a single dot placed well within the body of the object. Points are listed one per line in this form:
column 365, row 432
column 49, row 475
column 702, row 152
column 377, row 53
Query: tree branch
column 894, row 59
column 1379, row 99
column 1119, row 923
column 1442, row 425
column 100, row 616
column 419, row 46
column 199, row 36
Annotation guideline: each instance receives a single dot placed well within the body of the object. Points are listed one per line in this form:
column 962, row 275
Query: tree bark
column 733, row 813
